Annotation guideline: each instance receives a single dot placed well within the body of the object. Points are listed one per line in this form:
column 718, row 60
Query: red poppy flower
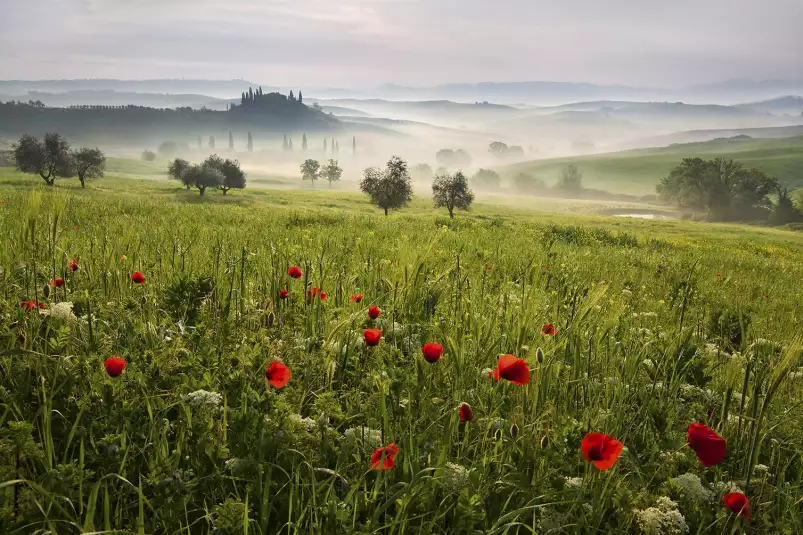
column 489, row 268
column 278, row 374
column 384, row 458
column 295, row 272
column 432, row 352
column 283, row 294
column 309, row 293
column 709, row 447
column 323, row 296
column 601, row 450
column 315, row 291
column 548, row 330
column 356, row 298
column 137, row 277
column 372, row 336
column 374, row 312
column 114, row 366
column 465, row 412
column 513, row 369
column 736, row 502
column 58, row 282
column 74, row 265
column 718, row 275
column 28, row 305
column 75, row 227
column 43, row 305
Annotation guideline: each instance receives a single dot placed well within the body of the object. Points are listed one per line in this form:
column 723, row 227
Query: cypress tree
column 304, row 142
column 354, row 146
column 290, row 144
column 199, row 142
column 291, row 95
column 250, row 94
column 250, row 143
column 284, row 142
column 300, row 97
column 231, row 141
column 242, row 99
column 324, row 145
column 211, row 142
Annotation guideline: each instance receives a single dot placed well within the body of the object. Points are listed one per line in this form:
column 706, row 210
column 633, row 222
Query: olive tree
column 389, row 188
column 176, row 171
column 452, row 192
column 50, row 159
column 203, row 177
column 310, row 170
column 233, row 176
column 88, row 163
column 332, row 172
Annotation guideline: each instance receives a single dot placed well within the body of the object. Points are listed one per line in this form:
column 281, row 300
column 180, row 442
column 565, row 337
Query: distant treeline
column 270, row 113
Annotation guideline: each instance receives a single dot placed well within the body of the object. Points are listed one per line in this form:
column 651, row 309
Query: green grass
column 637, row 172
column 660, row 324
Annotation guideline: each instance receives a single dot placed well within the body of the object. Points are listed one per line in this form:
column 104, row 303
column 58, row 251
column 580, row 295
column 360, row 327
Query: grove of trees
column 726, row 190
column 52, row 158
column 214, row 172
column 390, row 188
column 453, row 158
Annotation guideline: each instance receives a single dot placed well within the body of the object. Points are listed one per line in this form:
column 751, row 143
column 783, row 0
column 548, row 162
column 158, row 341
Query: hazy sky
column 342, row 43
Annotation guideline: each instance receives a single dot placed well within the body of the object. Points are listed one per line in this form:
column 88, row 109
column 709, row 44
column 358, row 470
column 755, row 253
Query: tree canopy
column 571, row 179
column 390, row 188
column 233, row 176
column 486, row 179
column 50, row 158
column 452, row 192
column 88, row 163
column 722, row 188
column 453, row 158
column 202, row 177
column 310, row 170
column 332, row 172
column 176, row 171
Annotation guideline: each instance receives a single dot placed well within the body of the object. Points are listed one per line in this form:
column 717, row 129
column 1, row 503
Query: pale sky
column 348, row 43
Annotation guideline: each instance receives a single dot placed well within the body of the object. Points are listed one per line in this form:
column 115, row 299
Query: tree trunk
column 83, row 182
column 386, row 211
column 451, row 213
column 202, row 190
column 225, row 190
column 188, row 187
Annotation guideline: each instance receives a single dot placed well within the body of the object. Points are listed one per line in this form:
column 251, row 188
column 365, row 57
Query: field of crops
column 270, row 362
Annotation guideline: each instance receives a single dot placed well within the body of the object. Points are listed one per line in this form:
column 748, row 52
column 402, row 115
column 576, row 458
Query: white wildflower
column 308, row 424
column 665, row 519
column 574, row 482
column 761, row 468
column 371, row 437
column 692, row 488
column 455, row 477
column 486, row 372
column 726, row 487
column 550, row 520
column 588, row 508
column 627, row 293
column 203, row 399
column 60, row 311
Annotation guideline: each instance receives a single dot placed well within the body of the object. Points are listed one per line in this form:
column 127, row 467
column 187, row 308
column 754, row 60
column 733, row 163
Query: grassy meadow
column 659, row 324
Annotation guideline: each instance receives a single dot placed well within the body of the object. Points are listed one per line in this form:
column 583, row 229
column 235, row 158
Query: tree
column 168, row 149
column 300, row 97
column 148, row 155
column 211, row 143
column 324, row 146
column 453, row 158
column 202, row 177
column 784, row 211
column 571, row 180
column 290, row 144
column 284, row 143
column 722, row 188
column 292, row 97
column 354, row 146
column 422, row 172
column 486, row 179
column 88, row 163
column 309, row 170
column 199, row 142
column 304, row 142
column 233, row 176
column 332, row 172
column 525, row 183
column 49, row 159
column 231, row 141
column 390, row 188
column 176, row 170
column 497, row 148
column 451, row 192
column 250, row 143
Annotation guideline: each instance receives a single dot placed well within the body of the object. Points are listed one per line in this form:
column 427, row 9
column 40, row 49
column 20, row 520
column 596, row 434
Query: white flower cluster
column 665, row 519
column 371, row 437
column 574, row 482
column 308, row 424
column 761, row 468
column 693, row 488
column 60, row 311
column 726, row 487
column 203, row 399
column 455, row 477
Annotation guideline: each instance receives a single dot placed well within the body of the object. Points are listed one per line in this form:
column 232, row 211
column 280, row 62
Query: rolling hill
column 636, row 172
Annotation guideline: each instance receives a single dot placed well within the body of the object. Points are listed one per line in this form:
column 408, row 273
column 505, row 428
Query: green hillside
column 637, row 171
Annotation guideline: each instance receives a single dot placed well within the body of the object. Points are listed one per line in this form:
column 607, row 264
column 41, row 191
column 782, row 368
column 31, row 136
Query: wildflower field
column 175, row 366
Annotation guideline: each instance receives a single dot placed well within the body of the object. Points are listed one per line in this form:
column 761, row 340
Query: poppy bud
column 514, row 430
column 271, row 319
column 539, row 355
column 322, row 420
column 46, row 290
column 545, row 441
